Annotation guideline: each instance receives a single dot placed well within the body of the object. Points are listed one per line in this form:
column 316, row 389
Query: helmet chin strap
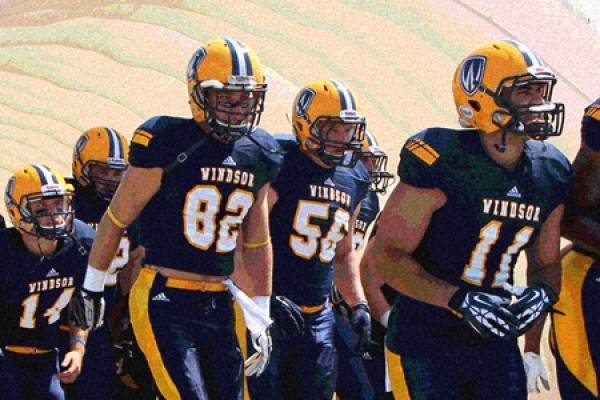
column 502, row 147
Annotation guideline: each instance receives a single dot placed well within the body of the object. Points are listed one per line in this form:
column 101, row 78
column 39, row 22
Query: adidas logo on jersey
column 160, row 297
column 52, row 273
column 514, row 192
column 329, row 182
column 229, row 161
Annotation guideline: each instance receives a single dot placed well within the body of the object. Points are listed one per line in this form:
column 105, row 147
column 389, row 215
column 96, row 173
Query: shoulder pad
column 429, row 145
column 590, row 126
column 83, row 232
column 264, row 142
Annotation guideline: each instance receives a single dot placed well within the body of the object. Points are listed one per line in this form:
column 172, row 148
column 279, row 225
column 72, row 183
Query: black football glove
column 532, row 302
column 361, row 324
column 287, row 317
column 485, row 313
column 86, row 309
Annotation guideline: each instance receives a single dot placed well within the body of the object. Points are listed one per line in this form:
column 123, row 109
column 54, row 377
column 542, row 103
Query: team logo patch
column 80, row 145
column 194, row 63
column 304, row 100
column 471, row 74
column 10, row 188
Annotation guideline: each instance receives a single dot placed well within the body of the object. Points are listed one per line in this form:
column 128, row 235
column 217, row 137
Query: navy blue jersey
column 312, row 214
column 197, row 212
column 34, row 289
column 369, row 209
column 490, row 215
column 90, row 209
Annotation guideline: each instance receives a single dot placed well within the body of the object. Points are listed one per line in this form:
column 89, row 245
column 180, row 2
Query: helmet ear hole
column 475, row 105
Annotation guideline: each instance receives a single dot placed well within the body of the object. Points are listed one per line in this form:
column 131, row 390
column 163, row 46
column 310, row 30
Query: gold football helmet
column 320, row 109
column 23, row 198
column 226, row 88
column 483, row 84
column 375, row 159
column 100, row 149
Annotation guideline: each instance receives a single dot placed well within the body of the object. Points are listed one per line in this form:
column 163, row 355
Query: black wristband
column 457, row 299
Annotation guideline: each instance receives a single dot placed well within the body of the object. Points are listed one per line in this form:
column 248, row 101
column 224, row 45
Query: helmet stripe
column 530, row 57
column 240, row 60
column 346, row 97
column 46, row 176
column 115, row 145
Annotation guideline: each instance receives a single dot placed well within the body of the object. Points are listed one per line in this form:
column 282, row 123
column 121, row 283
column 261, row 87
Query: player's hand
column 86, row 309
column 361, row 324
column 287, row 317
column 257, row 363
column 487, row 314
column 70, row 367
column 536, row 372
column 531, row 304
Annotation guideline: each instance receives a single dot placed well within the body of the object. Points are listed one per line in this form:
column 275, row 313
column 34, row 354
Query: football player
column 314, row 206
column 99, row 161
column 194, row 183
column 44, row 256
column 362, row 376
column 468, row 203
column 575, row 324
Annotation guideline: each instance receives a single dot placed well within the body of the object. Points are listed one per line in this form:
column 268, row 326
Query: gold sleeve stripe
column 141, row 137
column 422, row 150
column 594, row 112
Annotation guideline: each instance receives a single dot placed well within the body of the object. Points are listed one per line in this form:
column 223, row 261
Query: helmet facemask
column 538, row 121
column 34, row 216
column 104, row 188
column 34, row 212
column 100, row 157
column 333, row 152
column 232, row 110
column 376, row 160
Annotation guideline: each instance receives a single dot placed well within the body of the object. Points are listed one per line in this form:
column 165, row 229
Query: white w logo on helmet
column 303, row 102
column 471, row 74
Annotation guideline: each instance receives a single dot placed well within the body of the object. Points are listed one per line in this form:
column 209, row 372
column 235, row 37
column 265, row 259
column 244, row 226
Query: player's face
column 337, row 133
column 370, row 162
column 48, row 212
column 231, row 107
column 529, row 95
column 105, row 178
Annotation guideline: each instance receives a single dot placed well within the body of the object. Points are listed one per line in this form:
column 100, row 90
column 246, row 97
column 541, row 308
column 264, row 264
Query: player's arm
column 135, row 191
column 544, row 270
column 346, row 273
column 257, row 249
column 372, row 283
column 403, row 224
column 72, row 362
column 579, row 224
column 346, row 276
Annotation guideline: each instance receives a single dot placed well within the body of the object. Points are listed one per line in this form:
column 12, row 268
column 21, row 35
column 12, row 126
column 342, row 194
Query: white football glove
column 256, row 317
column 536, row 372
column 256, row 364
